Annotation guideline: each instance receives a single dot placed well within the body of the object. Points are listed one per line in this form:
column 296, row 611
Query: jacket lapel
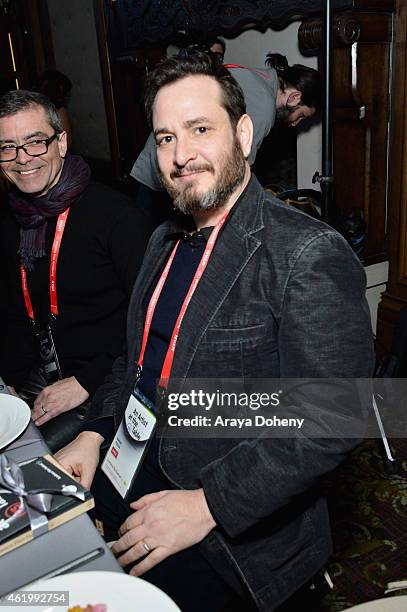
column 235, row 246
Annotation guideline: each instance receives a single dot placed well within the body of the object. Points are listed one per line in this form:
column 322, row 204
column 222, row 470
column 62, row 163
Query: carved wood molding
column 349, row 27
column 346, row 32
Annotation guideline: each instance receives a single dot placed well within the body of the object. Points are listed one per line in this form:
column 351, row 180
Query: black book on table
column 40, row 473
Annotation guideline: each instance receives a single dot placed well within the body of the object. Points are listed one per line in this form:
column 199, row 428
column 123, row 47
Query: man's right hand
column 81, row 457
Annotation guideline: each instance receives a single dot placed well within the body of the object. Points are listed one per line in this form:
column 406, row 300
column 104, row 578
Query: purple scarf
column 32, row 214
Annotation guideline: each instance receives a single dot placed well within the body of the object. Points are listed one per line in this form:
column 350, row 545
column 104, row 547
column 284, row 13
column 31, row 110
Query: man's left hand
column 61, row 396
column 164, row 523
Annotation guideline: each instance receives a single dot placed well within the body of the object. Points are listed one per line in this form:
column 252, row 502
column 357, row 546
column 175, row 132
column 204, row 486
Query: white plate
column 389, row 604
column 120, row 592
column 14, row 418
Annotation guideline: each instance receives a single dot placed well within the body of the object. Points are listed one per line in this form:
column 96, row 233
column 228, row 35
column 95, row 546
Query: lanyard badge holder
column 48, row 355
column 46, row 346
column 130, row 444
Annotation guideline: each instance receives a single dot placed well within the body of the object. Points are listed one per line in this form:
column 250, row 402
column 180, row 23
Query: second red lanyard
column 59, row 231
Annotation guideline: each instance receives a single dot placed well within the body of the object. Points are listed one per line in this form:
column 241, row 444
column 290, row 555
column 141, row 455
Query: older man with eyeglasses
column 71, row 251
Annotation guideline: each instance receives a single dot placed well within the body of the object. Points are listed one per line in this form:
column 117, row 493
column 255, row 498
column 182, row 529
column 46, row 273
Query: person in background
column 275, row 94
column 57, row 87
column 217, row 47
column 65, row 322
column 299, row 92
column 242, row 286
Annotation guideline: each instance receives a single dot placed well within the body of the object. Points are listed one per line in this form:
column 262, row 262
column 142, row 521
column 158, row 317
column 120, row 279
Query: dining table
column 396, row 603
column 73, row 546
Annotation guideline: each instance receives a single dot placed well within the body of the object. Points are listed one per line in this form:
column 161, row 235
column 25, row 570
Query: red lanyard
column 264, row 75
column 169, row 358
column 59, row 230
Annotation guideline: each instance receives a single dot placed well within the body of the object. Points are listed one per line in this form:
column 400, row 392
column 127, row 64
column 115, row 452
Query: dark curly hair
column 306, row 80
column 195, row 63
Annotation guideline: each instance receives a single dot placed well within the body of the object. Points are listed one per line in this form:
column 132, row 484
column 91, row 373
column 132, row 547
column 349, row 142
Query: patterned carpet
column 369, row 522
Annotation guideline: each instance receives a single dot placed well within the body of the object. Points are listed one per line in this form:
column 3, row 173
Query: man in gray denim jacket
column 282, row 296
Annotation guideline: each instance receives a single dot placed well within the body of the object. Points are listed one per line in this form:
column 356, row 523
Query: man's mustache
column 182, row 171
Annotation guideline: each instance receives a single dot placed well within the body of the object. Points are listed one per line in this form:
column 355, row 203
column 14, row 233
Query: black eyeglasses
column 9, row 152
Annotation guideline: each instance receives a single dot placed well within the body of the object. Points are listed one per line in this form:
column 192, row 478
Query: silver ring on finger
column 145, row 546
column 43, row 409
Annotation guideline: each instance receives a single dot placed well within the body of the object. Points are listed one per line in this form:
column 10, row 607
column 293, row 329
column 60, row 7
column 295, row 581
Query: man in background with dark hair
column 242, row 287
column 57, row 87
column 300, row 90
column 217, row 47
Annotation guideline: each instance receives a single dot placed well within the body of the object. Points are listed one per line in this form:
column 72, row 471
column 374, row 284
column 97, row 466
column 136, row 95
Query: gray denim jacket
column 282, row 296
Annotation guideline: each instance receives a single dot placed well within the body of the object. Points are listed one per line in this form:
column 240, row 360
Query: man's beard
column 283, row 114
column 231, row 175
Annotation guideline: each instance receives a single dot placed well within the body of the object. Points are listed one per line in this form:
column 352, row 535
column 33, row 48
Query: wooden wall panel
column 361, row 112
column 395, row 296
